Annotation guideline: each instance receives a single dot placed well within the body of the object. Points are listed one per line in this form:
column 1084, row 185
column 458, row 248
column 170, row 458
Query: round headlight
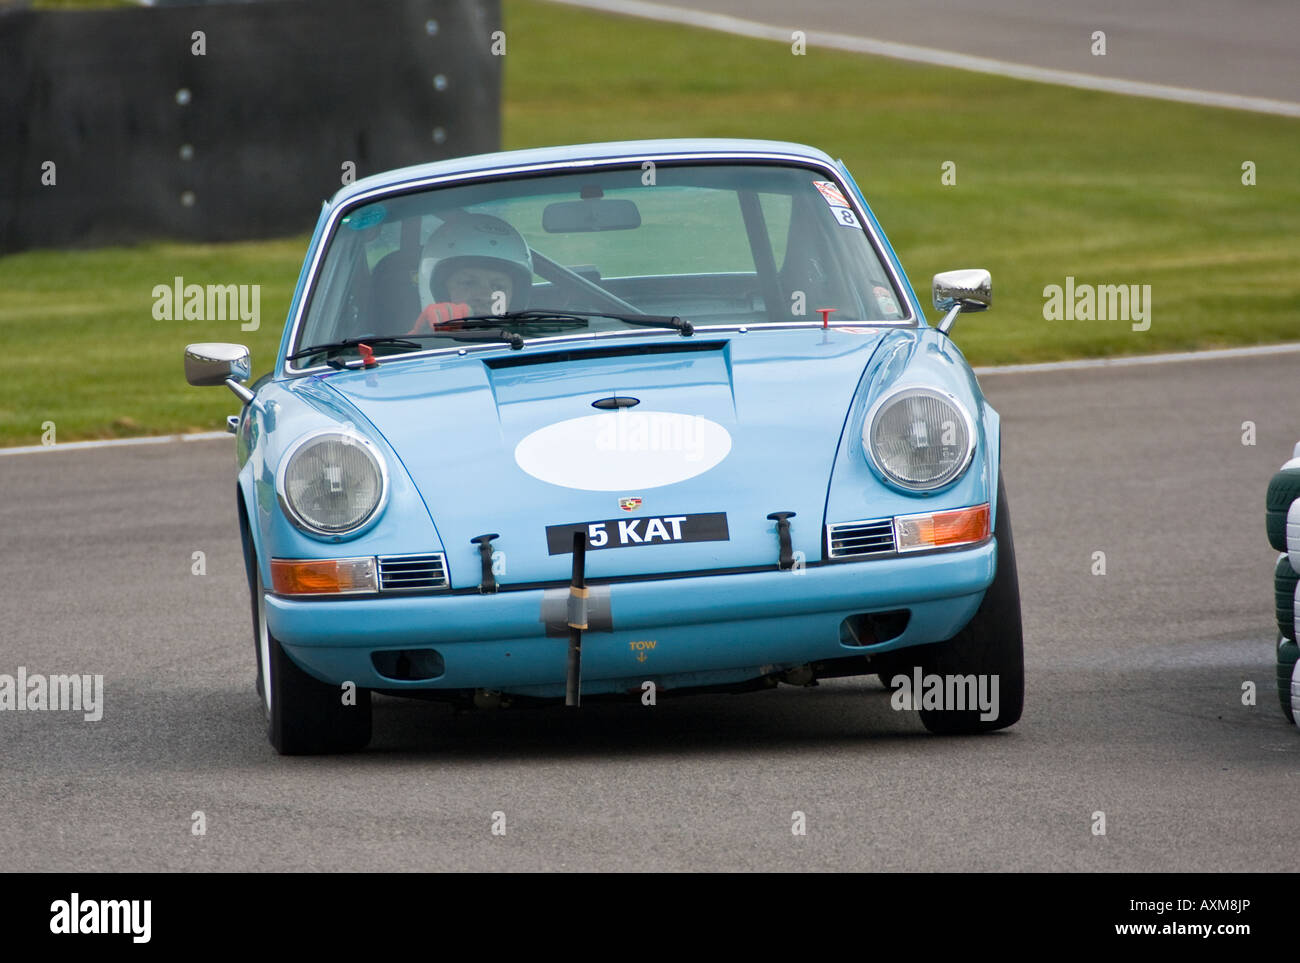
column 332, row 483
column 919, row 438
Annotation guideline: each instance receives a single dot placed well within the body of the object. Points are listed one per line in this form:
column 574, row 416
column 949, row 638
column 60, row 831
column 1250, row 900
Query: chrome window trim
column 285, row 368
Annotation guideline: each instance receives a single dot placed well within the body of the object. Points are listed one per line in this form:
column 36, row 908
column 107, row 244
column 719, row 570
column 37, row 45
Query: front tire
column 304, row 716
column 990, row 646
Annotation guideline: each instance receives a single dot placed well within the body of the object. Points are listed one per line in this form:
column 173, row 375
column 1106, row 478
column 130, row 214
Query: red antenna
column 825, row 313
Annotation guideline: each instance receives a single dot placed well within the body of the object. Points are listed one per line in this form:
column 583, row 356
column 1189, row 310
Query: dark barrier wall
column 149, row 137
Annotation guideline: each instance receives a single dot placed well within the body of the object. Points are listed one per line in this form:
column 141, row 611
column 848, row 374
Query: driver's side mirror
column 217, row 363
column 957, row 291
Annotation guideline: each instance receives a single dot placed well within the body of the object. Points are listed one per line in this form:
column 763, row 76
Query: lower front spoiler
column 681, row 632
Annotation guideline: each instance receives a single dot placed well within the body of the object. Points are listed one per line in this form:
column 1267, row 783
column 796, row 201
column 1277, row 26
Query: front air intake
column 409, row 665
column 635, row 350
column 857, row 539
column 412, row 573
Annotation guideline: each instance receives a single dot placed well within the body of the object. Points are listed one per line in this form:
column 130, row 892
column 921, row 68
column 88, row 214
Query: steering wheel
column 557, row 273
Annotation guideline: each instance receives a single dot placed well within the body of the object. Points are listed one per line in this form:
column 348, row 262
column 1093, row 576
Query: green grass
column 1051, row 182
column 82, row 348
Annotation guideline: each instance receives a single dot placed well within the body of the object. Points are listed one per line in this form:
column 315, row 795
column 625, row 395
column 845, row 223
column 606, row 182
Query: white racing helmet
column 475, row 240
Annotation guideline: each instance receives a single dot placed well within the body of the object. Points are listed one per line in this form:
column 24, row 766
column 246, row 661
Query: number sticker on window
column 845, row 216
column 835, row 200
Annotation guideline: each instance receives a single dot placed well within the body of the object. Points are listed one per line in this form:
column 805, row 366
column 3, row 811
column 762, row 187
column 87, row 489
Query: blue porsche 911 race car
column 617, row 420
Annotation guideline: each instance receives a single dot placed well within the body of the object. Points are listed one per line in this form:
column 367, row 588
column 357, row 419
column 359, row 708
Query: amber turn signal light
column 330, row 576
column 914, row 533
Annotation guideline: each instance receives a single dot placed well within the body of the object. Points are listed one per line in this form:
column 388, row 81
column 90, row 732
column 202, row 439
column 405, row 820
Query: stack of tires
column 1281, row 521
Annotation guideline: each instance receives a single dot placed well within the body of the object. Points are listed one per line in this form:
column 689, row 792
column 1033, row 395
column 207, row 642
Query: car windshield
column 713, row 244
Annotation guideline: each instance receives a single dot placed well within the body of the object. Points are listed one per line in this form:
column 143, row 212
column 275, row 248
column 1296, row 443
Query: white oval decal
column 623, row 450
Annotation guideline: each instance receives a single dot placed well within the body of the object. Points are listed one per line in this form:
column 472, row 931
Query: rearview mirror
column 592, row 214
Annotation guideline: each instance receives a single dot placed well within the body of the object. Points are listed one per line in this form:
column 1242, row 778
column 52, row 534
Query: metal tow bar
column 577, row 620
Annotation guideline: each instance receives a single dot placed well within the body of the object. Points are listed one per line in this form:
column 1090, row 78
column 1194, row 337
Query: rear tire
column 991, row 645
column 304, row 716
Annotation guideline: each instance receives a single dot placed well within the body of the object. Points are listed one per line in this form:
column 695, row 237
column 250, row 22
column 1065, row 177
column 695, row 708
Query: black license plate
column 645, row 530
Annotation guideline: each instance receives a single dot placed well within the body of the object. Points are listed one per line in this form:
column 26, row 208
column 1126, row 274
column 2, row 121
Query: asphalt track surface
column 1133, row 706
column 1244, row 47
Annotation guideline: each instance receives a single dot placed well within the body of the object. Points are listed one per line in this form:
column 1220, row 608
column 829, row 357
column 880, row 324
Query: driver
column 471, row 265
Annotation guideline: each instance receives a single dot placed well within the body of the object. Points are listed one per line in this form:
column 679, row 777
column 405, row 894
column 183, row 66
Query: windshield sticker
column 885, row 301
column 368, row 217
column 832, row 193
column 845, row 217
column 840, row 209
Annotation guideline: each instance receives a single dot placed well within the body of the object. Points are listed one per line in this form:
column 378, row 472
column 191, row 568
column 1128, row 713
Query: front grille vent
column 856, row 539
column 412, row 573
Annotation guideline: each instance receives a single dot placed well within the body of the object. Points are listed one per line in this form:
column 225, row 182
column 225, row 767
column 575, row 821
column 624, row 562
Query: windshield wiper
column 544, row 316
column 487, row 328
column 330, row 347
column 514, row 340
column 531, row 316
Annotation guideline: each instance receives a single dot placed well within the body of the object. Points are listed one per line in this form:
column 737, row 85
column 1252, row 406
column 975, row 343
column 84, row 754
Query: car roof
column 614, row 150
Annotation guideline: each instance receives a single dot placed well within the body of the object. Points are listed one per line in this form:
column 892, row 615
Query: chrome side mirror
column 217, row 363
column 957, row 291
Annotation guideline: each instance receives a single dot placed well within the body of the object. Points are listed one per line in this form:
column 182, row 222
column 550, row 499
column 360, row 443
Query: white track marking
column 1221, row 354
column 898, row 51
column 939, row 58
column 116, row 442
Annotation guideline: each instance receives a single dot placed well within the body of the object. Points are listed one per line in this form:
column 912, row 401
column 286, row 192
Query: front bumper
column 705, row 630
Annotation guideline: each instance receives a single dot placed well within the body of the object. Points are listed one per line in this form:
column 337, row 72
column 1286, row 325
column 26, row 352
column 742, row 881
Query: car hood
column 508, row 443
